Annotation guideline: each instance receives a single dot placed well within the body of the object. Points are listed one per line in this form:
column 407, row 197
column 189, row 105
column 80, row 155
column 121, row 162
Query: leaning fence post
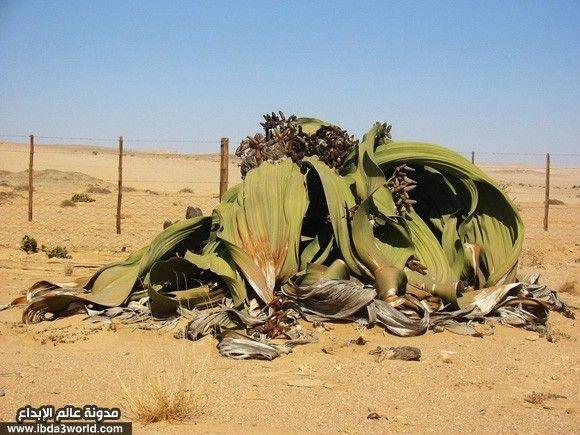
column 473, row 157
column 225, row 144
column 120, row 185
column 547, row 198
column 30, row 177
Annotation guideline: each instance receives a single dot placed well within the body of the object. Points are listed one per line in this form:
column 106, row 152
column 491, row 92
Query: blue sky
column 489, row 75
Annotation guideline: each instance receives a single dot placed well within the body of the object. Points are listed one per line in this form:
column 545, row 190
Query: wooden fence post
column 547, row 197
column 120, row 185
column 473, row 157
column 225, row 145
column 30, row 177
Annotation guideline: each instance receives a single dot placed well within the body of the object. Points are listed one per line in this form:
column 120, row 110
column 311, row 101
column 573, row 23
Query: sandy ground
column 482, row 388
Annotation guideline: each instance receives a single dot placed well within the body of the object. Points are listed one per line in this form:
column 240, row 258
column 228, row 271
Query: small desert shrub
column 56, row 252
column 186, row 190
column 6, row 196
column 97, row 189
column 21, row 187
column 68, row 203
column 82, row 197
column 28, row 244
column 553, row 201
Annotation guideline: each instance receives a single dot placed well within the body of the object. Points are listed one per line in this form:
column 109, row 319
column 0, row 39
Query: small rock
column 167, row 224
column 193, row 212
column 403, row 353
column 447, row 356
column 321, row 327
column 374, row 416
column 360, row 341
column 2, row 393
column 328, row 350
column 305, row 383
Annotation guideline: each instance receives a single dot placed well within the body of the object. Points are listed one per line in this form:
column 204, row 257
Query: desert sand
column 461, row 383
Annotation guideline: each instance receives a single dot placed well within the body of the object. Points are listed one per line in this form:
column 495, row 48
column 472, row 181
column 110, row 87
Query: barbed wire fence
column 110, row 194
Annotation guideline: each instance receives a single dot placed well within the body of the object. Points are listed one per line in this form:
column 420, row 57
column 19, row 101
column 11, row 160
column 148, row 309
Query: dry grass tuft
column 21, row 187
column 98, row 189
column 536, row 398
column 68, row 203
column 570, row 287
column 554, row 201
column 167, row 394
column 68, row 269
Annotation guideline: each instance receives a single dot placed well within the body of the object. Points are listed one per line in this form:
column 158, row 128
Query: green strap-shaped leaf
column 440, row 278
column 317, row 249
column 224, row 267
column 262, row 229
column 388, row 278
column 187, row 235
column 492, row 223
column 112, row 284
column 175, row 282
column 339, row 200
column 498, row 231
column 166, row 304
column 367, row 175
column 310, row 125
